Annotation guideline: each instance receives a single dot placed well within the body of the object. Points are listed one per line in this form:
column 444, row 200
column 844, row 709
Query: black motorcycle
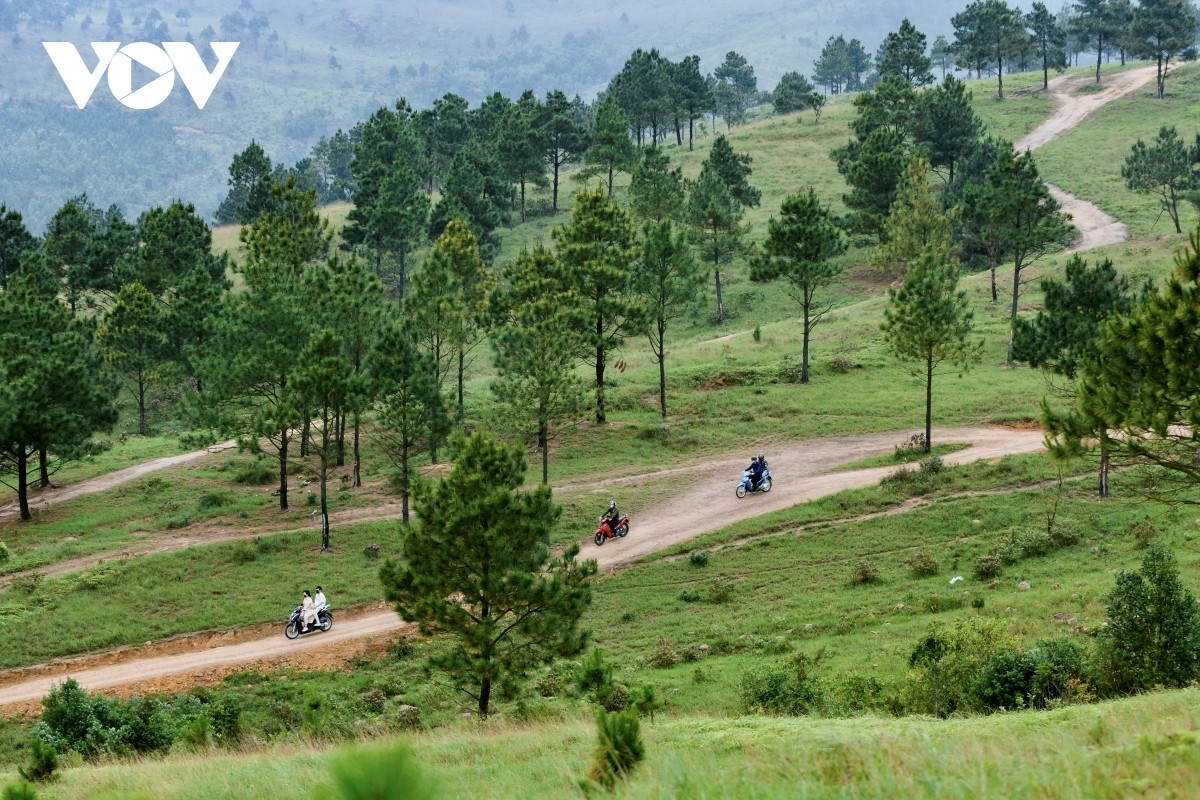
column 293, row 628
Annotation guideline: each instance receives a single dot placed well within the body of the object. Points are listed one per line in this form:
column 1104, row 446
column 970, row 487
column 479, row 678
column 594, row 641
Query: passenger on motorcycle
column 319, row 601
column 756, row 470
column 306, row 612
column 612, row 515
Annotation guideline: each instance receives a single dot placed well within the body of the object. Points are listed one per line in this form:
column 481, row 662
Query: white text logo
column 164, row 61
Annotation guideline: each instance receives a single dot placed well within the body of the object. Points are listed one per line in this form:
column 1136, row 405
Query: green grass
column 1143, row 746
column 905, row 457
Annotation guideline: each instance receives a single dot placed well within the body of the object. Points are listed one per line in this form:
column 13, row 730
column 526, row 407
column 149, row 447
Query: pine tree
column 519, row 146
column 671, row 280
column 564, row 140
column 1167, row 169
column 478, row 568
column 15, row 240
column 1049, row 40
column 598, row 253
column 133, row 337
column 412, row 411
column 657, row 192
column 611, row 150
column 1161, row 30
column 1018, row 217
column 54, row 395
column 903, row 53
column 944, row 122
column 716, row 221
column 928, row 324
column 322, row 383
column 539, row 337
column 800, row 247
column 917, row 221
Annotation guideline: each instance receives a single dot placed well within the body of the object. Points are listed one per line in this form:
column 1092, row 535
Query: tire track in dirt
column 799, row 469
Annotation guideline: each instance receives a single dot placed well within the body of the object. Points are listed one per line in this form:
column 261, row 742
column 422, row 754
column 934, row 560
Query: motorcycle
column 764, row 485
column 605, row 532
column 293, row 627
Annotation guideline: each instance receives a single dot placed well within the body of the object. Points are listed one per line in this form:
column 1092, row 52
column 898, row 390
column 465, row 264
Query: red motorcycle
column 605, row 532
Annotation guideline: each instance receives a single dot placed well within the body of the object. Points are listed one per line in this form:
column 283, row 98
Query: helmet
column 761, row 456
column 612, row 503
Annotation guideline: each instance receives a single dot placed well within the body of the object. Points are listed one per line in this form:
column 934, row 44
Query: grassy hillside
column 754, row 594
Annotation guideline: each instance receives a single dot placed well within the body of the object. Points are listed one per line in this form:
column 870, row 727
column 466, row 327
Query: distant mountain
column 304, row 69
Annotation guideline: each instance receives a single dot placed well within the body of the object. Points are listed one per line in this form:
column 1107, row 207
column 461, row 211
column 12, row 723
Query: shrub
column 619, row 749
column 314, row 711
column 839, row 365
column 757, row 333
column 211, row 501
column 780, row 688
column 697, row 558
column 390, row 773
column 947, row 662
column 594, row 677
column 243, row 553
column 645, row 701
column 19, row 791
column 988, row 566
column 923, row 565
column 371, row 551
column 689, row 595
column 932, row 466
column 720, row 591
column 906, row 451
column 1026, row 544
column 854, row 692
column 1153, row 631
column 257, row 472
column 864, row 572
column 1005, row 681
column 664, row 655
column 617, row 699
column 628, row 616
column 977, row 601
column 5, row 555
column 43, row 761
column 1143, row 533
column 937, row 603
column 174, row 522
column 27, row 583
column 1058, row 672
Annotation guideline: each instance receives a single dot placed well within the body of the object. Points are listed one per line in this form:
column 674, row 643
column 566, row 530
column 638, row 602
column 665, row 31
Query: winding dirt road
column 801, row 473
column 1096, row 228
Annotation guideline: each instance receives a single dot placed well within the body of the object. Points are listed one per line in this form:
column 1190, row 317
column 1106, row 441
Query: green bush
column 697, row 558
column 375, row 773
column 4, row 554
column 932, row 466
column 864, row 571
column 854, row 692
column 1143, row 533
column 780, row 688
column 720, row 591
column 1005, row 681
column 1059, row 671
column 988, row 566
column 645, row 701
column 243, row 553
column 1153, row 633
column 594, row 677
column 664, row 655
column 922, row 565
column 211, row 501
column 689, row 596
column 43, row 761
column 619, row 749
column 946, row 664
column 19, row 791
column 258, row 472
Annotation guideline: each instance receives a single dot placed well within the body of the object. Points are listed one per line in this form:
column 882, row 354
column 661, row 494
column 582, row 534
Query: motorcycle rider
column 756, row 470
column 319, row 602
column 306, row 611
column 613, row 516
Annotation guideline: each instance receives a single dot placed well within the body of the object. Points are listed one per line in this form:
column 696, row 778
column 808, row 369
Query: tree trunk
column 804, row 347
column 304, row 434
column 1045, row 71
column 283, row 482
column 324, row 491
column 1000, row 78
column 691, row 130
column 357, row 454
column 141, row 384
column 720, row 302
column 43, row 468
column 1105, row 459
column 662, row 364
column 1012, row 315
column 995, row 296
column 522, row 182
column 404, row 482
column 401, row 278
column 339, row 424
column 600, row 418
column 462, row 368
column 1099, row 56
column 928, row 402
column 544, row 443
column 22, row 482
column 554, row 201
column 485, row 696
column 610, row 179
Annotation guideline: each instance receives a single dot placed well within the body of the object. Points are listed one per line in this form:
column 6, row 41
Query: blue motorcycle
column 764, row 484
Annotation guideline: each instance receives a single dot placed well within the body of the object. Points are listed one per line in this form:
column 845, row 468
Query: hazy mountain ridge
column 315, row 67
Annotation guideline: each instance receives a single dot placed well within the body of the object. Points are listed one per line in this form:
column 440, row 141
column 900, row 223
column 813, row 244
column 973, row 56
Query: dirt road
column 111, row 480
column 801, row 473
column 1096, row 228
